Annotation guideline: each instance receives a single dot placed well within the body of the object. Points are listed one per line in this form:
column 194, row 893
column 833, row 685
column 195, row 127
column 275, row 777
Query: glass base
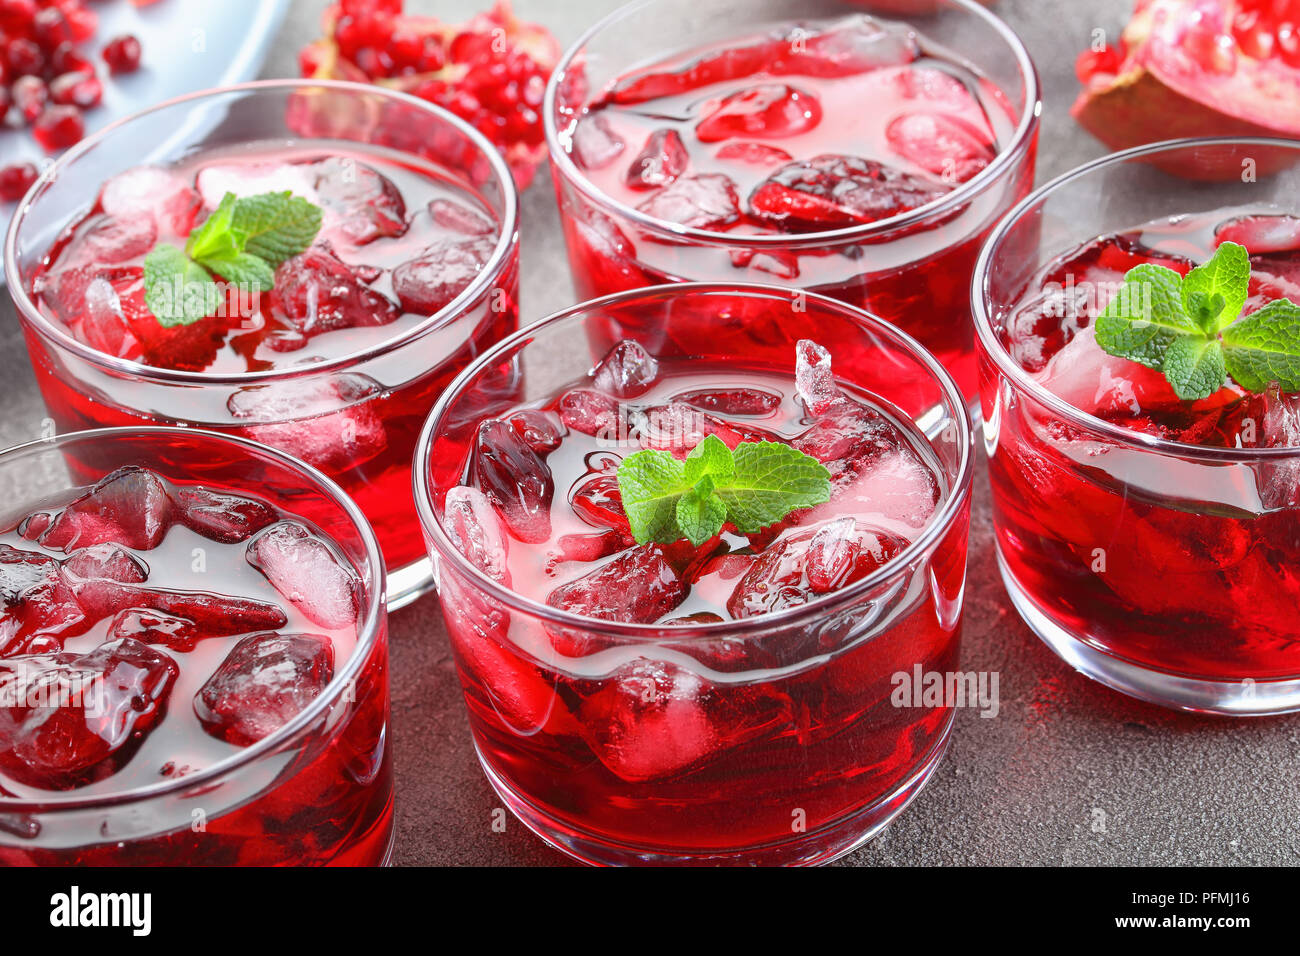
column 807, row 849
column 407, row 583
column 1240, row 698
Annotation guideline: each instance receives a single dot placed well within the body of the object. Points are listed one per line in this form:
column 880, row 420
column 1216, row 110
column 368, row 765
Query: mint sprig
column 1192, row 330
column 754, row 486
column 243, row 240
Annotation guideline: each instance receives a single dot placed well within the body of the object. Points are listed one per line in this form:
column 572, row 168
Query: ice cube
column 589, row 412
column 757, row 154
column 1279, row 482
column 163, row 195
column 253, row 179
column 805, row 564
column 832, row 192
column 327, row 422
column 766, row 110
column 34, row 601
column 653, row 719
column 103, row 325
column 594, row 144
column 132, row 507
column 302, row 567
column 516, row 479
column 460, row 218
column 662, row 159
column 945, row 146
column 107, row 701
column 360, row 202
column 265, row 681
column 220, row 515
column 317, row 292
column 599, row 502
column 112, row 239
column 105, row 562
column 704, row 201
column 733, row 401
column 638, row 587
column 536, row 428
column 156, row 627
column 813, row 377
column 626, row 371
column 1261, row 233
column 475, row 530
column 428, row 283
column 1099, row 383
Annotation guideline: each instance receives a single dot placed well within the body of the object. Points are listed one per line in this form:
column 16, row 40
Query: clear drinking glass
column 1165, row 570
column 319, row 790
column 911, row 269
column 354, row 415
column 793, row 749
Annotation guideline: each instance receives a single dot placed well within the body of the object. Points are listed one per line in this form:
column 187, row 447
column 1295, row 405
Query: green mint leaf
column 1145, row 316
column 177, row 290
column 710, row 457
column 651, row 483
column 753, row 486
column 771, row 480
column 1194, row 367
column 1214, row 293
column 276, row 226
column 214, row 238
column 243, row 268
column 1264, row 347
column 700, row 513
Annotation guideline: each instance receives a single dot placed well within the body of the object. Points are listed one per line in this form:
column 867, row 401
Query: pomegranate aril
column 50, row 28
column 59, row 127
column 16, row 179
column 122, row 54
column 66, row 58
column 30, row 94
column 76, row 89
column 25, row 57
column 661, row 160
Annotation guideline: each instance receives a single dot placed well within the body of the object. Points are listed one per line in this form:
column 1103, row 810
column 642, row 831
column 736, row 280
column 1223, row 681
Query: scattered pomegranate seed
column 30, row 96
column 122, row 54
column 58, row 127
column 77, row 89
column 15, row 180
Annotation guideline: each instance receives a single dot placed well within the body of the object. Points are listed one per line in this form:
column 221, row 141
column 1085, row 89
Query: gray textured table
column 1068, row 772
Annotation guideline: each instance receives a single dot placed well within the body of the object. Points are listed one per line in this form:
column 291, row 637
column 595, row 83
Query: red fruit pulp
column 1181, row 567
column 766, row 137
column 704, row 745
column 141, row 643
column 400, row 240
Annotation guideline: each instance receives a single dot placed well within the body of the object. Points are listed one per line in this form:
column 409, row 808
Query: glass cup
column 913, row 269
column 319, row 790
column 818, row 752
column 356, row 415
column 1164, row 570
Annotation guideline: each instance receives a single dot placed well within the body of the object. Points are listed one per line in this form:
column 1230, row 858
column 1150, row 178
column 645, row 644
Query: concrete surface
column 1067, row 773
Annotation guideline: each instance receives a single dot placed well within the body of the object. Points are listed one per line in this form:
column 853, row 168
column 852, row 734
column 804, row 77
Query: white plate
column 188, row 47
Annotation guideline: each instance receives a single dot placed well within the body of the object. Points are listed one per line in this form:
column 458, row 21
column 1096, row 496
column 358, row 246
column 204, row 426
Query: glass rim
column 480, row 286
column 1011, row 370
column 959, row 491
column 1003, row 162
column 367, row 629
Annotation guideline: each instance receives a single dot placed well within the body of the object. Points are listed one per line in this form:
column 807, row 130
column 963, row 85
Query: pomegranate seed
column 50, row 28
column 66, row 58
column 122, row 54
column 82, row 21
column 58, row 127
column 15, row 180
column 25, row 56
column 30, row 96
column 76, row 89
